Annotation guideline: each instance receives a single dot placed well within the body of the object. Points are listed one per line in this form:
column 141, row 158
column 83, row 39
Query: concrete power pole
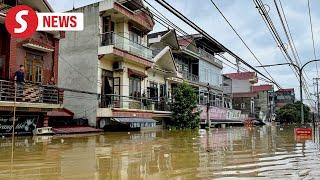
column 317, row 95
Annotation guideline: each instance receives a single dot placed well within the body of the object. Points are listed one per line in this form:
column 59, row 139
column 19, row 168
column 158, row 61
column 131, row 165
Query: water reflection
column 269, row 152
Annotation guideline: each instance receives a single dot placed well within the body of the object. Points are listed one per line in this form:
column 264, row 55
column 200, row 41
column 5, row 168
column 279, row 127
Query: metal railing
column 123, row 43
column 30, row 93
column 204, row 54
column 128, row 102
column 190, row 77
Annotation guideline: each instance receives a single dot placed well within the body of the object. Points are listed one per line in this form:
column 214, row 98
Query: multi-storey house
column 36, row 102
column 284, row 97
column 119, row 80
column 197, row 65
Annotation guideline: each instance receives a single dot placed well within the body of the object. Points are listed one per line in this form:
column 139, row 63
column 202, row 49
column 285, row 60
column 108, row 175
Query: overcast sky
column 247, row 21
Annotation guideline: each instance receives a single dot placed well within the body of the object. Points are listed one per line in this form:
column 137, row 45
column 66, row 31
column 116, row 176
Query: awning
column 38, row 45
column 132, row 72
column 134, row 120
column 60, row 113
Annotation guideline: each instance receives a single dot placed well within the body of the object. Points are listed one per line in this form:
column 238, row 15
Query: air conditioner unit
column 118, row 66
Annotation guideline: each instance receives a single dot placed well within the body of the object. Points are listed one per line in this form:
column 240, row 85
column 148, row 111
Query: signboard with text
column 23, row 124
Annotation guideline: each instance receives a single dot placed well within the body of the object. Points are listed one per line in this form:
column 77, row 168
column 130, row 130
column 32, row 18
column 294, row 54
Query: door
column 34, row 68
column 107, row 84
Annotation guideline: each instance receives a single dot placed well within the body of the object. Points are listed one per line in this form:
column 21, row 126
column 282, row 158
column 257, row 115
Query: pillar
column 46, row 121
column 12, row 57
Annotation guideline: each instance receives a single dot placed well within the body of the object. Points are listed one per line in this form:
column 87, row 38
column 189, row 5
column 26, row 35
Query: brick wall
column 50, row 59
column 12, row 57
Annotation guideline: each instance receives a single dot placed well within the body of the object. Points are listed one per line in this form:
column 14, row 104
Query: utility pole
column 317, row 95
column 300, row 70
column 13, row 123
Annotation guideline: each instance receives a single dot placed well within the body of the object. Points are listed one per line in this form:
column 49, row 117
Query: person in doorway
column 20, row 80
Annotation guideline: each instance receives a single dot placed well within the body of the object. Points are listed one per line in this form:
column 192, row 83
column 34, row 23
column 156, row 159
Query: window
column 243, row 105
column 153, row 90
column 212, row 99
column 116, row 86
column 134, row 87
column 135, row 35
column 162, row 90
column 34, row 68
column 107, row 30
column 38, row 75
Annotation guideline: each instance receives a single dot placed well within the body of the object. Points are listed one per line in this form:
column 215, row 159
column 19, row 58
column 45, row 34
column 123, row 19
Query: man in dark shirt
column 19, row 78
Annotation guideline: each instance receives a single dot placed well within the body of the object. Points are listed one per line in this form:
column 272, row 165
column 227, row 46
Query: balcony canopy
column 165, row 61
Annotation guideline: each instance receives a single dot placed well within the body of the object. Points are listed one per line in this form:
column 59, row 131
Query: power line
column 312, row 36
column 291, row 41
column 162, row 18
column 202, row 32
column 266, row 18
column 242, row 40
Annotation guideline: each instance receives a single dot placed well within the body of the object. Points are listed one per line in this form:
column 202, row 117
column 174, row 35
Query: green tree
column 290, row 113
column 184, row 107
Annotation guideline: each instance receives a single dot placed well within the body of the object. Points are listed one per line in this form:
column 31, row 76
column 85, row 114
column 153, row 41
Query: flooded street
column 267, row 152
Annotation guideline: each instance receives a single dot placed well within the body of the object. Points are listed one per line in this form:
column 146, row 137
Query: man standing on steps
column 19, row 79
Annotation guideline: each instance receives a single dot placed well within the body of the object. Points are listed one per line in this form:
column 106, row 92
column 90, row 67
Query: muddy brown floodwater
column 244, row 153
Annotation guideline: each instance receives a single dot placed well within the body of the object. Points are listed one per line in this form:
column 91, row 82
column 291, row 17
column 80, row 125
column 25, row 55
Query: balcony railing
column 123, row 43
column 30, row 93
column 190, row 77
column 204, row 54
column 127, row 102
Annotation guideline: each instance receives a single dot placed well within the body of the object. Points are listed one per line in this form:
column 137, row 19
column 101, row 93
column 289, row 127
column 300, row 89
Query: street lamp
column 300, row 80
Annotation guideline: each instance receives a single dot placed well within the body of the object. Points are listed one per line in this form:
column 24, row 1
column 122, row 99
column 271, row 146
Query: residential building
column 227, row 91
column 283, row 97
column 196, row 63
column 119, row 79
column 253, row 100
column 264, row 101
column 242, row 96
column 37, row 101
column 126, row 76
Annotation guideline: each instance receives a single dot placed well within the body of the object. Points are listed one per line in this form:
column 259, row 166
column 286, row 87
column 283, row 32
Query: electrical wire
column 242, row 40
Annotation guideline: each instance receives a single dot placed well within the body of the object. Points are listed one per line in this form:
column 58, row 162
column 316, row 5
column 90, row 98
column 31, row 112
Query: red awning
column 60, row 113
column 132, row 72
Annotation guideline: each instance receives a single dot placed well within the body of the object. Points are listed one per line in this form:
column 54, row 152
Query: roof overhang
column 165, row 61
column 171, row 39
column 37, row 47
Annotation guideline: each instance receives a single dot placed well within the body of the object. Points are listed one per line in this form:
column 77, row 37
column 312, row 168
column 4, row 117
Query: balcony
column 125, row 44
column 190, row 77
column 135, row 103
column 30, row 95
column 121, row 11
column 209, row 57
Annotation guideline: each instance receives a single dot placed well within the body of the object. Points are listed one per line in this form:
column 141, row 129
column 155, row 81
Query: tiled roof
column 242, row 75
column 185, row 41
column 286, row 90
column 262, row 88
column 245, row 94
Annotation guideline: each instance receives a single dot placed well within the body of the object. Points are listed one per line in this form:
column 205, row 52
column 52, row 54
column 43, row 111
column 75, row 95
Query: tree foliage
column 290, row 113
column 184, row 107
